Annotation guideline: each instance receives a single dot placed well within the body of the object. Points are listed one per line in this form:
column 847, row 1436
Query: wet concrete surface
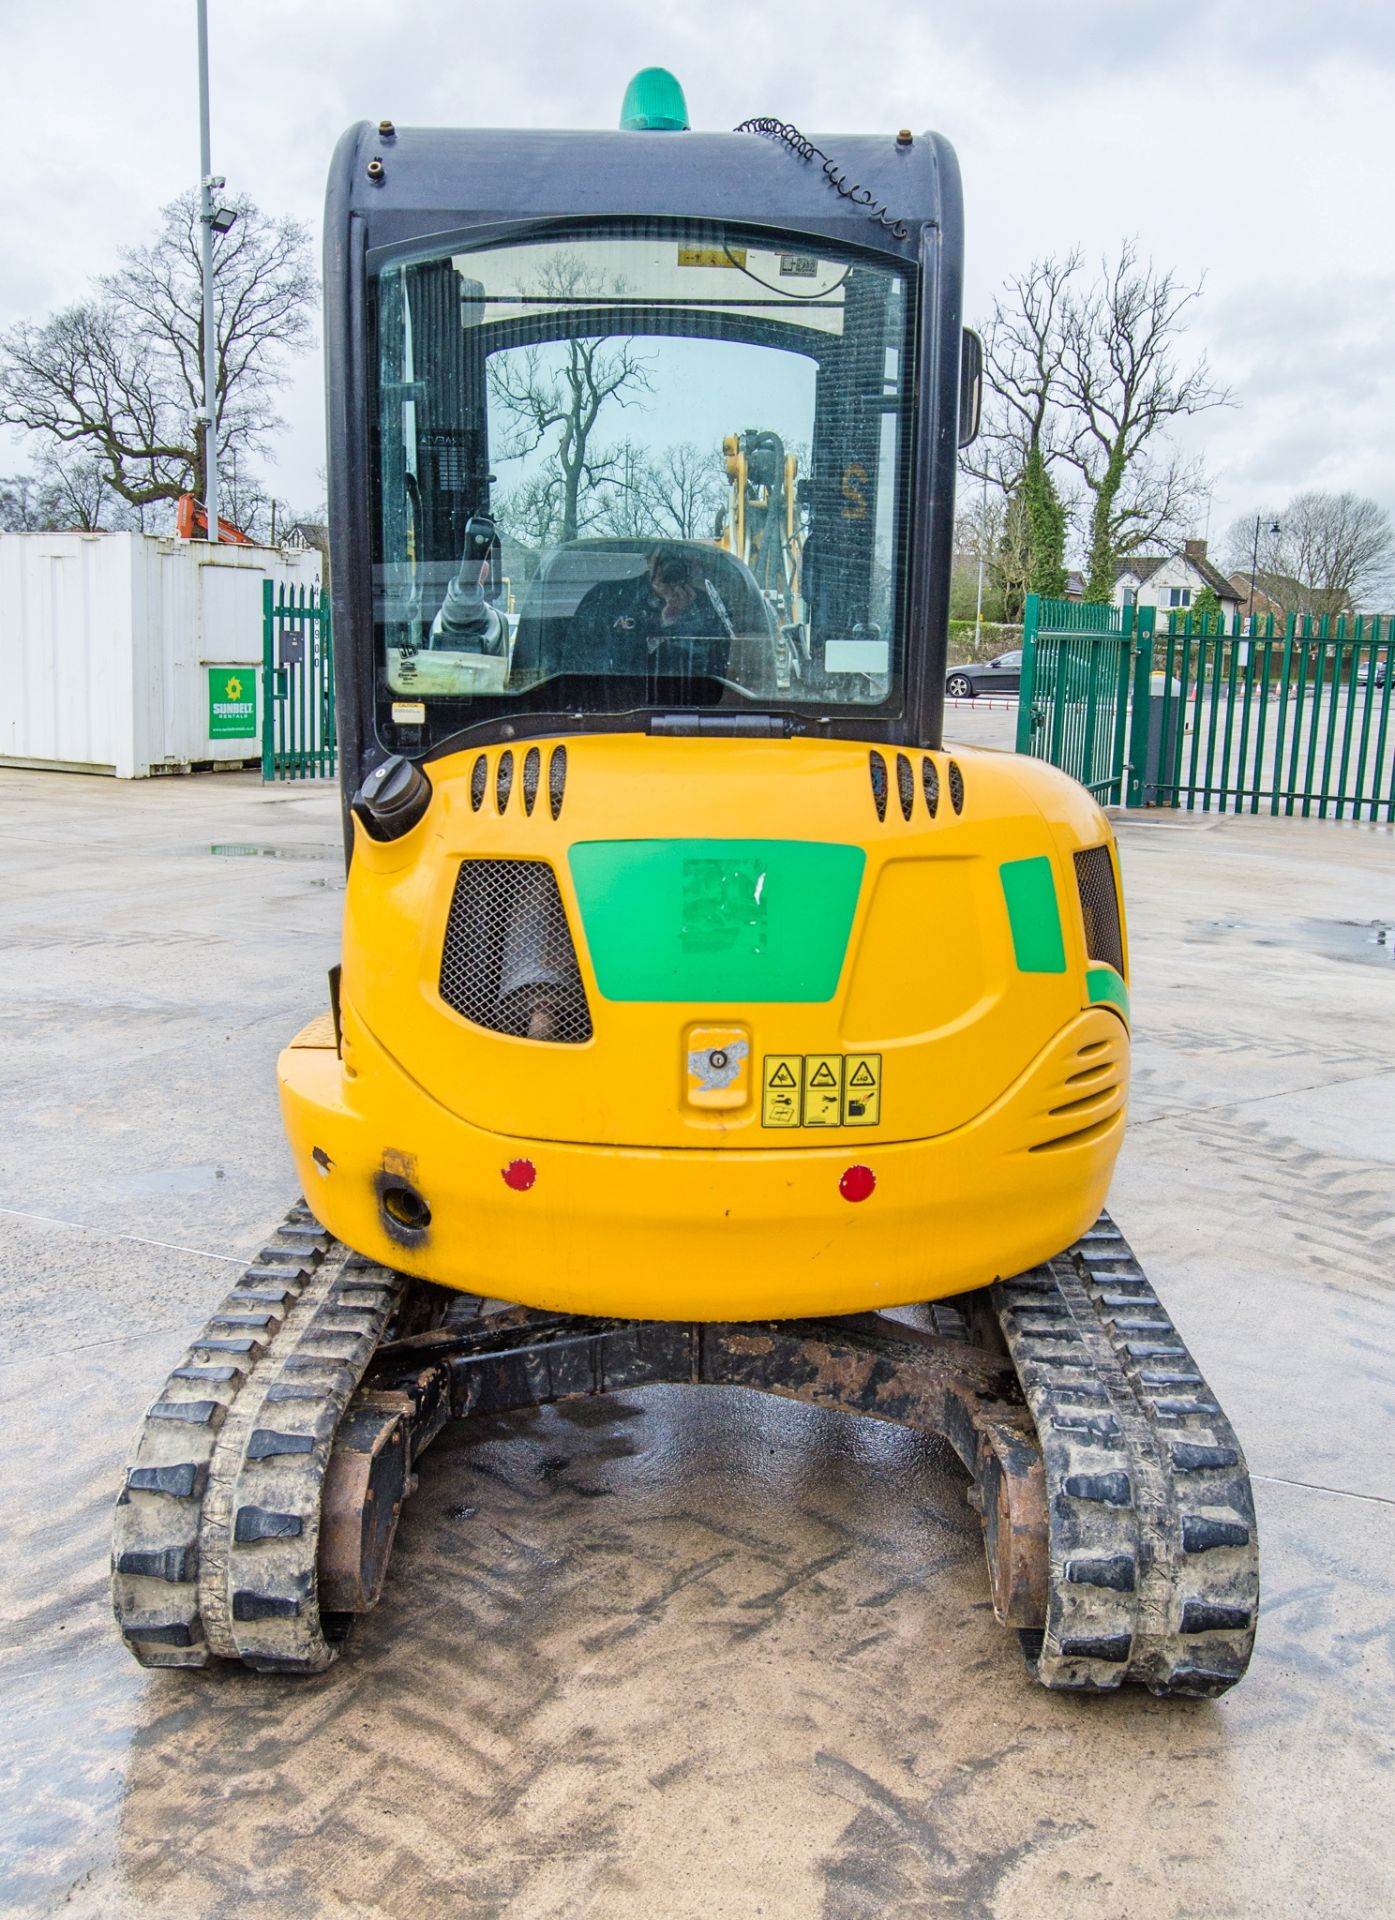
column 681, row 1654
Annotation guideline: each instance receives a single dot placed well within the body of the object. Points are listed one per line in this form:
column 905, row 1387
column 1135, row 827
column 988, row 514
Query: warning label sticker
column 781, row 1089
column 821, row 1090
column 862, row 1090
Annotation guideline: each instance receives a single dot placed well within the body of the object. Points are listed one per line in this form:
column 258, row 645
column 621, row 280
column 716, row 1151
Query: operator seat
column 546, row 645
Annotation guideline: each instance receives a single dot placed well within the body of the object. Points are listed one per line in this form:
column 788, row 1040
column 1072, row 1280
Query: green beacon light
column 654, row 103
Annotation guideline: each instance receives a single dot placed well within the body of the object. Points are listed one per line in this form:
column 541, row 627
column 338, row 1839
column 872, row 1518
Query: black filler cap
column 393, row 798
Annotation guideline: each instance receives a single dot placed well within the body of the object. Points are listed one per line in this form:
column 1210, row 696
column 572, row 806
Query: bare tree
column 532, row 510
column 66, row 489
column 119, row 376
column 562, row 388
column 673, row 495
column 1323, row 553
column 978, row 538
column 626, row 502
column 1023, row 348
column 83, row 493
column 1122, row 387
column 1254, row 538
column 25, row 506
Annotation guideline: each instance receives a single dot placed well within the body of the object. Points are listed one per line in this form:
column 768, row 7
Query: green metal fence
column 1078, row 661
column 1293, row 718
column 298, row 684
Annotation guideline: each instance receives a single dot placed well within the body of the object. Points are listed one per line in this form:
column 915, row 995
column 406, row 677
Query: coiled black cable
column 803, row 148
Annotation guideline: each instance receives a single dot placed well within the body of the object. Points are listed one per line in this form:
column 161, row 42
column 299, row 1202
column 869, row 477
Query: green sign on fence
column 232, row 703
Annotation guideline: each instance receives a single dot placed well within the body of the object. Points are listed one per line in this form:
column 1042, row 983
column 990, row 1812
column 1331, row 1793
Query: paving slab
column 670, row 1653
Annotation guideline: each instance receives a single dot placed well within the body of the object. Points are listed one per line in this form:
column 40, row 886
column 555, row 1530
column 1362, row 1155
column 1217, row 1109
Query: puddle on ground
column 1166, row 819
column 247, row 850
column 1370, row 942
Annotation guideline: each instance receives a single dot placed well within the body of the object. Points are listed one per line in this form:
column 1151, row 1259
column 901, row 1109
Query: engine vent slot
column 1082, row 1137
column 509, row 962
column 905, row 785
column 532, row 768
column 503, row 779
column 479, row 780
column 930, row 780
column 556, row 779
column 956, row 787
column 1099, row 906
column 877, row 768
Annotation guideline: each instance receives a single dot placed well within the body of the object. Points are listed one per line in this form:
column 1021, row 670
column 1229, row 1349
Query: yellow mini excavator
column 693, row 997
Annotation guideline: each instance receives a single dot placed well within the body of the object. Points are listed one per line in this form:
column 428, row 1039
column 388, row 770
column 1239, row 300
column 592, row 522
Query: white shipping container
column 107, row 641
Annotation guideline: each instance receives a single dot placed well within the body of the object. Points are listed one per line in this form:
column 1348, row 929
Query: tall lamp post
column 213, row 219
column 978, row 608
column 1254, row 564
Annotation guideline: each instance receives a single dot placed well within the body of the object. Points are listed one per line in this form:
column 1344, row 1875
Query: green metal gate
column 298, row 740
column 1292, row 718
column 1078, row 664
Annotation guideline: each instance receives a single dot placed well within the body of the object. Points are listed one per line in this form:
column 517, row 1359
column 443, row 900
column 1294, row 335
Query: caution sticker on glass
column 821, row 1090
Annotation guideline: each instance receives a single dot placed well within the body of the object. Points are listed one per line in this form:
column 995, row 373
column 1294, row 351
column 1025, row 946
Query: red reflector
column 857, row 1183
column 520, row 1175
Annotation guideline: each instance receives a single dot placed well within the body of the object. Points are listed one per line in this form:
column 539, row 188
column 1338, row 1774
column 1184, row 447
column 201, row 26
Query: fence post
column 331, row 719
column 1027, row 681
column 1136, row 764
column 268, row 681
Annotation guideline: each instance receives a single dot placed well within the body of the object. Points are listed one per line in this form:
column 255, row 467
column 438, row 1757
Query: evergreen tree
column 1045, row 528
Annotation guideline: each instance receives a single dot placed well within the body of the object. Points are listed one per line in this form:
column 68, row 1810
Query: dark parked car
column 985, row 676
column 1371, row 670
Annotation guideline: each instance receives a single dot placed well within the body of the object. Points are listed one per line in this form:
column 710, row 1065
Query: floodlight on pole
column 1254, row 565
column 208, row 216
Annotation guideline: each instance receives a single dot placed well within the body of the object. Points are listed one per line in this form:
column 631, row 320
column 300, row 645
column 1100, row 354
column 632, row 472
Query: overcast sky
column 1252, row 141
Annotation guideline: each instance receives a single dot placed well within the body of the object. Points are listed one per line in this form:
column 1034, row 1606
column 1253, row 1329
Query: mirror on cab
column 970, row 386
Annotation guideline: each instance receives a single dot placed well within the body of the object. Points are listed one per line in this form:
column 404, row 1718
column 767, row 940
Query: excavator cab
column 695, row 998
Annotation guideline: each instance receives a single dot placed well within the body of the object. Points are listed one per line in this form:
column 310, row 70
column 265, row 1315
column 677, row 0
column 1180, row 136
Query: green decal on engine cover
column 717, row 920
column 1029, row 887
column 1106, row 988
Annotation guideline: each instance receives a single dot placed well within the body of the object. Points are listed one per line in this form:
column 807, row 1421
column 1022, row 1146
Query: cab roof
column 405, row 184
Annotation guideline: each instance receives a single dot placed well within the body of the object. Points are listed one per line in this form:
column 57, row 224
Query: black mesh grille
column 956, row 787
column 905, row 785
column 1099, row 906
column 556, row 779
column 509, row 963
column 930, row 780
column 479, row 780
column 877, row 768
column 503, row 779
column 532, row 764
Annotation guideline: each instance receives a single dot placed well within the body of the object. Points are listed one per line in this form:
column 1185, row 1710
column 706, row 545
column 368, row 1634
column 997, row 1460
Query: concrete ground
column 681, row 1655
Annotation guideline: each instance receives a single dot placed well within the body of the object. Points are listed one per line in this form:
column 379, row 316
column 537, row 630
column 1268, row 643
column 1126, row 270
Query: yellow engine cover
column 815, row 1027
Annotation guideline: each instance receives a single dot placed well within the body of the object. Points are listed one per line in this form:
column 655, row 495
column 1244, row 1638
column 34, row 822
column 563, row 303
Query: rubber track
column 217, row 1524
column 1154, row 1569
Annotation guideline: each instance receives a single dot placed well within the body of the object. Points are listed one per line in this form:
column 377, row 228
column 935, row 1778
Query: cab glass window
column 651, row 468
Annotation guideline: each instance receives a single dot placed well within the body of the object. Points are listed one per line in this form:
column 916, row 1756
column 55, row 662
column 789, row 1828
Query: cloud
column 1244, row 139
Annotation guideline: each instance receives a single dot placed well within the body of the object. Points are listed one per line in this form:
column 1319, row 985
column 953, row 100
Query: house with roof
column 1172, row 582
column 1278, row 595
column 1273, row 594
